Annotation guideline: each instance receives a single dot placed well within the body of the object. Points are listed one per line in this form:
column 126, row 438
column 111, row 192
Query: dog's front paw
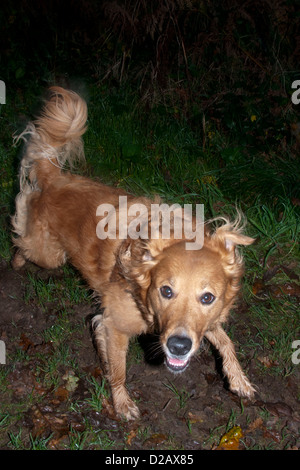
column 242, row 387
column 127, row 410
column 124, row 406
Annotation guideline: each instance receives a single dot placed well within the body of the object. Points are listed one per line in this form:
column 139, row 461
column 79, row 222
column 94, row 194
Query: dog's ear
column 232, row 239
column 228, row 236
column 136, row 258
column 135, row 261
column 226, row 240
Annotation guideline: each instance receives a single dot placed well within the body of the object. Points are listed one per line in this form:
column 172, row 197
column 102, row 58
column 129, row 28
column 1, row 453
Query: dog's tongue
column 176, row 362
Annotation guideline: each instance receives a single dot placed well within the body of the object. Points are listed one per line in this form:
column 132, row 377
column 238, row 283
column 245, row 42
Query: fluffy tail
column 54, row 139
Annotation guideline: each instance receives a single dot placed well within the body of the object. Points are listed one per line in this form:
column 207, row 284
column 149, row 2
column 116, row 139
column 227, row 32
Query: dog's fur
column 143, row 285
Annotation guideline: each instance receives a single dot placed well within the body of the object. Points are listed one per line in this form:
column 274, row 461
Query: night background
column 191, row 100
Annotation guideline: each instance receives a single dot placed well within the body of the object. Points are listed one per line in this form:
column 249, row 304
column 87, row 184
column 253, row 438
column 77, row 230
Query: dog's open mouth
column 175, row 364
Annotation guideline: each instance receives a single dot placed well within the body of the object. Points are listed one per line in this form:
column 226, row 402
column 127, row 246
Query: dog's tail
column 54, row 139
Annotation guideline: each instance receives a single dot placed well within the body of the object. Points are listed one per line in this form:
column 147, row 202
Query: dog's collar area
column 175, row 364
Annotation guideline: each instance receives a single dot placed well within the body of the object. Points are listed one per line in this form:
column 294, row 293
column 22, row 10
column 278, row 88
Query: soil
column 189, row 411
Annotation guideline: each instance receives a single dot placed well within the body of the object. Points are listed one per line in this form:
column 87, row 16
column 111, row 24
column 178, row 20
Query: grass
column 182, row 396
column 98, row 392
column 64, row 289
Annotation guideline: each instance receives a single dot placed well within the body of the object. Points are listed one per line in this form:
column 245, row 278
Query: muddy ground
column 190, row 411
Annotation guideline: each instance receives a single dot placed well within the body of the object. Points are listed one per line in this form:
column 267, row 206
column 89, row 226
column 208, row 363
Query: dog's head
column 188, row 292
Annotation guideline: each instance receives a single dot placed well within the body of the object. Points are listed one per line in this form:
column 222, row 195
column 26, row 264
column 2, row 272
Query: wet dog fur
column 143, row 285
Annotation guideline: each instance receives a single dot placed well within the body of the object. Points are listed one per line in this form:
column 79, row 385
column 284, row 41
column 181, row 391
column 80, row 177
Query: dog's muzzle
column 177, row 354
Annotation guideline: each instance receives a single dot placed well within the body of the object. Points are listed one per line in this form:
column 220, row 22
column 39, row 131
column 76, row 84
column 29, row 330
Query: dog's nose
column 179, row 345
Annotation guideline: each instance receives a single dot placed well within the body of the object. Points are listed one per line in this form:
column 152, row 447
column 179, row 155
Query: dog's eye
column 207, row 298
column 166, row 292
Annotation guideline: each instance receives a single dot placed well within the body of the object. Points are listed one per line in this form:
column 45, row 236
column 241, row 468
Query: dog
column 144, row 284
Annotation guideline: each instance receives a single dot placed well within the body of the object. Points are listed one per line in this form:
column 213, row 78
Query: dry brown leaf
column 131, row 436
column 155, row 439
column 25, row 342
column 279, row 409
column 256, row 424
column 61, row 393
column 194, row 418
column 267, row 362
column 258, row 287
column 108, row 410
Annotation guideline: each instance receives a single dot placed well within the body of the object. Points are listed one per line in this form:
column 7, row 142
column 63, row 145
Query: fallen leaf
column 61, row 393
column 258, row 287
column 289, row 288
column 131, row 436
column 194, row 418
column 271, row 272
column 94, row 371
column 275, row 436
column 23, row 382
column 25, row 342
column 43, row 348
column 155, row 439
column 211, row 378
column 97, row 372
column 71, row 381
column 256, row 424
column 267, row 362
column 108, row 410
column 31, row 348
column 279, row 409
column 231, row 440
column 46, row 422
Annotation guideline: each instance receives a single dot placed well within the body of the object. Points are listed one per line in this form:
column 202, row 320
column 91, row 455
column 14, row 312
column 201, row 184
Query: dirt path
column 52, row 393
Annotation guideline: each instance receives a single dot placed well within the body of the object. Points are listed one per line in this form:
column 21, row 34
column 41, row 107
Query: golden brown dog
column 143, row 284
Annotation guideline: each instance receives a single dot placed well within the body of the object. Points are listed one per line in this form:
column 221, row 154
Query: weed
column 98, row 392
column 17, row 442
column 181, row 395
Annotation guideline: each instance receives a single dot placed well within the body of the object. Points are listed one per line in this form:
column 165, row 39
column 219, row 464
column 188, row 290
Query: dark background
column 230, row 61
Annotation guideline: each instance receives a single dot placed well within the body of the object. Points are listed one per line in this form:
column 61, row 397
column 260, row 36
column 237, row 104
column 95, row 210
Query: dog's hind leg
column 19, row 222
column 99, row 339
column 35, row 242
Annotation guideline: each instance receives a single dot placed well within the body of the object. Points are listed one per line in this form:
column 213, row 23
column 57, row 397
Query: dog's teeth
column 176, row 363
